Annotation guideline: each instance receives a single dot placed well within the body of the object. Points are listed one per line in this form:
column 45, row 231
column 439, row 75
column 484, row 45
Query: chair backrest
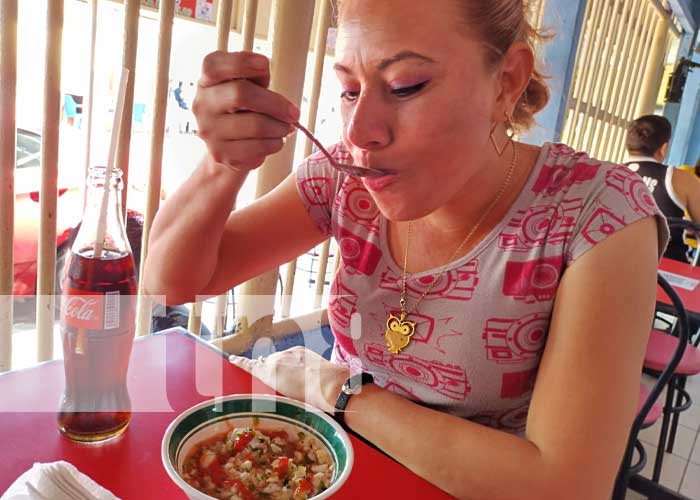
column 666, row 374
column 691, row 231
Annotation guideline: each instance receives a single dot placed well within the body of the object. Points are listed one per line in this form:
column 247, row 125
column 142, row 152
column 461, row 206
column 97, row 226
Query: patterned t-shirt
column 481, row 330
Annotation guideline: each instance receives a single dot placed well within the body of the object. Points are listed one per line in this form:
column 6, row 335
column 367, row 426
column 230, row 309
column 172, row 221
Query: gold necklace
column 399, row 330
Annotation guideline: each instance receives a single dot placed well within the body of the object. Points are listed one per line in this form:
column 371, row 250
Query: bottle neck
column 115, row 243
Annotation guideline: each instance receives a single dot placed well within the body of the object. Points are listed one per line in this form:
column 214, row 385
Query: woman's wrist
column 359, row 403
column 218, row 169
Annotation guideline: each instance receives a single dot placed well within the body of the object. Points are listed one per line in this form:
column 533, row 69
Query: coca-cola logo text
column 81, row 308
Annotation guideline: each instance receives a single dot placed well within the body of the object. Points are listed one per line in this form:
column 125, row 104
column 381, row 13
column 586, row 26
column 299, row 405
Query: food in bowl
column 250, row 464
column 218, row 420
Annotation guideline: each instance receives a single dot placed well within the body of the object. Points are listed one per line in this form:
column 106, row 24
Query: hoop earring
column 510, row 133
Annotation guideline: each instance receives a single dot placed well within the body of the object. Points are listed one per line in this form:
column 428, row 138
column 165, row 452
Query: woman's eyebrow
column 385, row 63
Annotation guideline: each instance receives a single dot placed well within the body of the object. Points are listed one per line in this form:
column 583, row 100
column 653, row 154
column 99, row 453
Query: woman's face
column 417, row 100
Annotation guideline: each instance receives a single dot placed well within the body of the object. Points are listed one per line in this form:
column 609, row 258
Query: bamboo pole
column 8, row 95
column 160, row 105
column 87, row 101
column 250, row 17
column 291, row 25
column 194, row 323
column 223, row 26
column 131, row 36
column 320, row 43
column 46, row 276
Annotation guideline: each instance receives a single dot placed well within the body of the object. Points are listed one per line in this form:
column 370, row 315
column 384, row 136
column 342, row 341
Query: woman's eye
column 407, row 91
column 349, row 95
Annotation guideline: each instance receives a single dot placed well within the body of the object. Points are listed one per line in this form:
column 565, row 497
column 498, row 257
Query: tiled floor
column 681, row 469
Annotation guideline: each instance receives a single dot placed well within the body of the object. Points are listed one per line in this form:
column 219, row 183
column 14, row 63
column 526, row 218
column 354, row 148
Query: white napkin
column 37, row 484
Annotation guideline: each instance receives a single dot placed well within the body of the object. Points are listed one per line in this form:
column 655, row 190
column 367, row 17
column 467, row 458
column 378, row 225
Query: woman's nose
column 368, row 126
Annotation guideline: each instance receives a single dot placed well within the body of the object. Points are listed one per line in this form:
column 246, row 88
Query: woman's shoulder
column 569, row 172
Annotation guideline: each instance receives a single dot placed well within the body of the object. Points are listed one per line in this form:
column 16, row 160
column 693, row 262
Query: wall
column 563, row 19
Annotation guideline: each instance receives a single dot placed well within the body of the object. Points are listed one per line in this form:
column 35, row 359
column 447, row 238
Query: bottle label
column 90, row 310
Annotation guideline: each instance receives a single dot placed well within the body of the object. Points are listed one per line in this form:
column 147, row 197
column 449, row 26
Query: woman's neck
column 436, row 237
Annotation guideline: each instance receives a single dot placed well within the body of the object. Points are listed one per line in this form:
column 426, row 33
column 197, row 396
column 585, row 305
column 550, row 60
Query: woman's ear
column 516, row 70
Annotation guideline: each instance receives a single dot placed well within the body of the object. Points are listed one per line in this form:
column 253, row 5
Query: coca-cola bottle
column 98, row 306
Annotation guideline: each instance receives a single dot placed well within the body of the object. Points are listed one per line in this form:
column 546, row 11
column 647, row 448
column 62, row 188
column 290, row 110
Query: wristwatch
column 352, row 386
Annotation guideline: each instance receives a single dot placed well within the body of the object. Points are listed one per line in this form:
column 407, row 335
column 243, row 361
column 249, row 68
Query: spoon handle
column 315, row 141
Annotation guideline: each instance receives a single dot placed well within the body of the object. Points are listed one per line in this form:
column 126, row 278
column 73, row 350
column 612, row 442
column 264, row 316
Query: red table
column 162, row 383
column 690, row 298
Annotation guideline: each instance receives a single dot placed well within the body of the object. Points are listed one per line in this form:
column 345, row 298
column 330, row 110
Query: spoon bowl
column 353, row 170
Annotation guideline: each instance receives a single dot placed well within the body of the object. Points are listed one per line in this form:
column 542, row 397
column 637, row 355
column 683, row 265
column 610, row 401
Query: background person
column 676, row 191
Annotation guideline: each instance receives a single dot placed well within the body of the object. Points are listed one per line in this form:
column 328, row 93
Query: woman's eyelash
column 348, row 95
column 351, row 95
column 407, row 91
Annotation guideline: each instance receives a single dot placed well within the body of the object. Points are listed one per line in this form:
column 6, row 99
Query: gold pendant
column 398, row 332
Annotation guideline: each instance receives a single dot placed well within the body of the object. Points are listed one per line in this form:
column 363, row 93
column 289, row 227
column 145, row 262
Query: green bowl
column 220, row 415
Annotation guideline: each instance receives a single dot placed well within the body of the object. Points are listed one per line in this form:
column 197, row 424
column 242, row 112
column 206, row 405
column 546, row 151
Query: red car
column 68, row 214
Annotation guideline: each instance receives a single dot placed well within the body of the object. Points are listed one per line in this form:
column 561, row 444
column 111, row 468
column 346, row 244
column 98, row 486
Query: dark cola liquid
column 97, row 326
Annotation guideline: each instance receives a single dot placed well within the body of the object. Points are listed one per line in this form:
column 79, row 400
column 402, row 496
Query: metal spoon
column 343, row 167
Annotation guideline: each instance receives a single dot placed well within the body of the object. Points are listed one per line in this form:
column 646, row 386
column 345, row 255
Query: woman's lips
column 377, row 184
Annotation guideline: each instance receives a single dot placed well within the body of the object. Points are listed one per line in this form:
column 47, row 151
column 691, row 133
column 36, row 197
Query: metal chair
column 627, row 468
column 658, row 353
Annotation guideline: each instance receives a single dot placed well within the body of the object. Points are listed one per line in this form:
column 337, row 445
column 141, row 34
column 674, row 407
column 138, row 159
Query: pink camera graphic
column 515, row 341
column 532, row 228
column 533, row 280
column 558, row 178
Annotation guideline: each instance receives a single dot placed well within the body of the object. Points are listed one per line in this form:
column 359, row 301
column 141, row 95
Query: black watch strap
column 352, row 386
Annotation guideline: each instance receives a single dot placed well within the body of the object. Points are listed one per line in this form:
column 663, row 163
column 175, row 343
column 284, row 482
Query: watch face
column 347, row 389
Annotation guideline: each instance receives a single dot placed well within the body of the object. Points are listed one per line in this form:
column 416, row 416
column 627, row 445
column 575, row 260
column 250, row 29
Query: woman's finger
column 238, row 126
column 244, row 95
column 242, row 362
column 222, row 66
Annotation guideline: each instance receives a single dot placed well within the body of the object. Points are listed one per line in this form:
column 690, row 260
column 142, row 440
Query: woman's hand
column 239, row 119
column 300, row 374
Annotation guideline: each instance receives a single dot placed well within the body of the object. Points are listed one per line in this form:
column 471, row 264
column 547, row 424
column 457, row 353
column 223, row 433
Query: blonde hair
column 500, row 24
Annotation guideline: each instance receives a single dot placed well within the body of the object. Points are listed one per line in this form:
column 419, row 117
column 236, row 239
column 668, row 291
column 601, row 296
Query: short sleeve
column 617, row 200
column 318, row 184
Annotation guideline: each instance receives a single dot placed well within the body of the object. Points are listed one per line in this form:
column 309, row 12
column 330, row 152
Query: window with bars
column 623, row 48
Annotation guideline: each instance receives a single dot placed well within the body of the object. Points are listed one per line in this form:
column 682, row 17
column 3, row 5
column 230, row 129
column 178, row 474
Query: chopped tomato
column 282, row 467
column 242, row 441
column 304, row 489
column 274, row 434
column 240, row 487
column 216, row 472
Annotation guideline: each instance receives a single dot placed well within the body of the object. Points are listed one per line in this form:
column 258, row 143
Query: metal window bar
column 593, row 12
column 600, row 101
column 634, row 91
column 624, row 85
column 631, row 24
column 616, row 73
column 8, row 92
